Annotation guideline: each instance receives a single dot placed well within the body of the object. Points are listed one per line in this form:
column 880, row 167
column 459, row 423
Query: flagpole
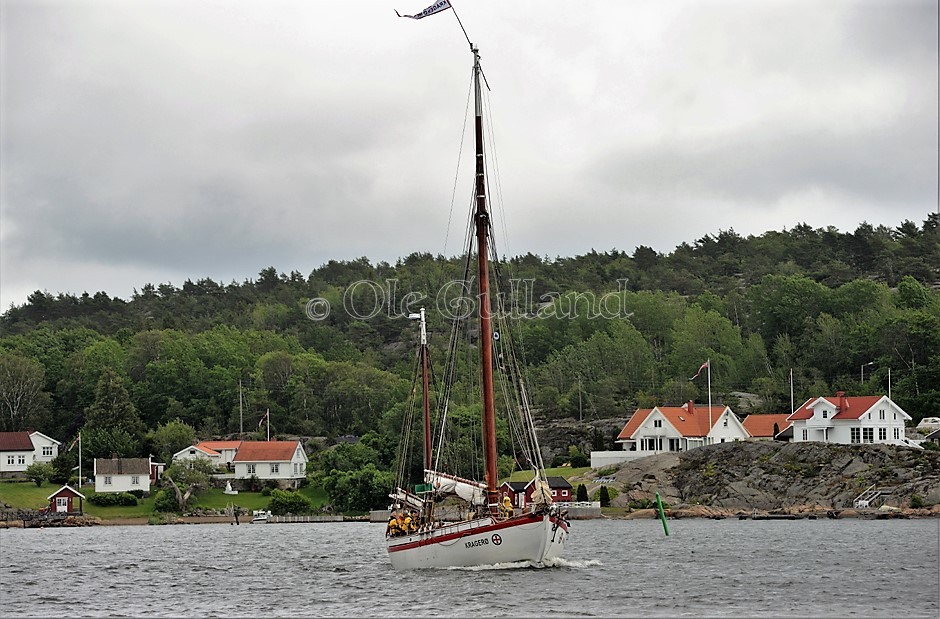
column 792, row 409
column 708, row 363
column 79, row 460
column 268, row 416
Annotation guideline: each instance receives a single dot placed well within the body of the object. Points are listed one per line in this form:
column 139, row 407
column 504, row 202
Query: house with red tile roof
column 225, row 449
column 672, row 428
column 768, row 427
column 280, row 460
column 198, row 451
column 850, row 420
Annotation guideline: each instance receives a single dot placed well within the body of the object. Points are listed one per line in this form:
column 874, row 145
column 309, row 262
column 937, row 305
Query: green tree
column 39, row 472
column 113, row 409
column 289, row 502
column 107, row 443
column 605, row 497
column 184, row 480
column 22, row 399
column 582, row 493
column 359, row 490
column 171, row 437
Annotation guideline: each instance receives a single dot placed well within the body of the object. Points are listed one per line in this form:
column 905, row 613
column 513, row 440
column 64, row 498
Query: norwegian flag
column 263, row 417
column 437, row 7
column 77, row 440
column 704, row 365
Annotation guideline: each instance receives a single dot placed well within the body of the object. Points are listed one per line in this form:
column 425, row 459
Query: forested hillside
column 332, row 352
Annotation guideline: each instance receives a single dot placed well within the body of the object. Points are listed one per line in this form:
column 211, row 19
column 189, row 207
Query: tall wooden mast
column 482, row 219
column 426, row 399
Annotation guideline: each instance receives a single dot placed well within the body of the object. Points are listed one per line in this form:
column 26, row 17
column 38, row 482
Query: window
column 897, row 433
column 868, row 435
column 856, row 435
column 657, row 423
column 722, row 440
column 275, row 468
column 726, row 421
column 11, row 459
column 825, row 414
column 21, row 459
column 805, row 435
column 135, row 480
column 251, row 469
column 107, row 480
column 881, row 414
column 554, row 492
column 895, row 416
column 882, row 434
column 47, row 450
column 61, row 503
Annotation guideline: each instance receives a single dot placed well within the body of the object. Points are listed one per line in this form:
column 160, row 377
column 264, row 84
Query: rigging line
column 406, row 427
column 453, row 195
column 494, row 162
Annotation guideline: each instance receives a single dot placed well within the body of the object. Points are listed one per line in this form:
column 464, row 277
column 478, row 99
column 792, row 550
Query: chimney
column 843, row 405
column 691, row 407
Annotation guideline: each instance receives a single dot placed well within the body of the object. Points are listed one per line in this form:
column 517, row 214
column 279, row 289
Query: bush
column 39, row 472
column 137, row 493
column 111, row 499
column 165, row 501
column 289, row 502
column 917, row 501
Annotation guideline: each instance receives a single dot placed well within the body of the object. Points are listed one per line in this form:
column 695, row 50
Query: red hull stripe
column 477, row 531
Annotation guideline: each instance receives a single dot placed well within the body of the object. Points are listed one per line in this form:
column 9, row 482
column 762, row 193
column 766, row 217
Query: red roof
column 266, row 451
column 763, row 425
column 206, row 450
column 846, row 407
column 687, row 424
column 15, row 441
column 219, row 445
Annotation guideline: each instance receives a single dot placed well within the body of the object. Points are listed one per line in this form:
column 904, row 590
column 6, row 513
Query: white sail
column 472, row 492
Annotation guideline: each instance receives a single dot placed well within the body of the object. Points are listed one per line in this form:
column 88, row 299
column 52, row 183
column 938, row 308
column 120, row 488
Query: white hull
column 483, row 541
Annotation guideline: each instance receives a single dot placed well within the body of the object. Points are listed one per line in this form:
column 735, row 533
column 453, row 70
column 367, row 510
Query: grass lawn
column 25, row 495
column 558, row 471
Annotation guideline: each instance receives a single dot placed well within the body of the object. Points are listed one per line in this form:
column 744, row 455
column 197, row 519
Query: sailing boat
column 479, row 529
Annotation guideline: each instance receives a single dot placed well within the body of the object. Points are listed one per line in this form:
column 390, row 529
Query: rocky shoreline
column 775, row 477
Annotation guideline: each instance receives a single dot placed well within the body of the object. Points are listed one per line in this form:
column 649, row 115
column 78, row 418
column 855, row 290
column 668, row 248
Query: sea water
column 612, row 568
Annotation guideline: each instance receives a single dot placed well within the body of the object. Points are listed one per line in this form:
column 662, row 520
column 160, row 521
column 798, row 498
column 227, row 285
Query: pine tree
column 582, row 493
column 605, row 497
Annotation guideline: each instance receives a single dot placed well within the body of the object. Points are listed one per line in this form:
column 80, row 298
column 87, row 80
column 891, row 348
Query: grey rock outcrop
column 770, row 475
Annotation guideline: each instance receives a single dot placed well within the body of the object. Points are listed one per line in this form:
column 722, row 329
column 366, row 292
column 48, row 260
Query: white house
column 197, row 451
column 16, row 453
column 672, row 428
column 46, row 448
column 123, row 474
column 225, row 449
column 850, row 420
column 281, row 460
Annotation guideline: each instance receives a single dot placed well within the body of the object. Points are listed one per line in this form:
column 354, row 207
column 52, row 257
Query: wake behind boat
column 441, row 516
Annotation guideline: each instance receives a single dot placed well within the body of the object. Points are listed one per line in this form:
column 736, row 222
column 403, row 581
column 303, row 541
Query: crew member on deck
column 392, row 529
column 507, row 505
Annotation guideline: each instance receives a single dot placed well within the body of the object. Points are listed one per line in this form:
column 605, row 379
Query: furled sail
column 542, row 493
column 470, row 491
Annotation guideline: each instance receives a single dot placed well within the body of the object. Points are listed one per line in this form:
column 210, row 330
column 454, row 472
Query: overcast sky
column 155, row 141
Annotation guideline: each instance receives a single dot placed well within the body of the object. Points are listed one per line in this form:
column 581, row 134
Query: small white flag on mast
column 437, row 7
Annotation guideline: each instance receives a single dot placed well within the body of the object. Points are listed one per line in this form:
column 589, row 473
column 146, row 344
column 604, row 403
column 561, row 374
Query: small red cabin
column 62, row 500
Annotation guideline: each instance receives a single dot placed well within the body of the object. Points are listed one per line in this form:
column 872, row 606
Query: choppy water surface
column 705, row 568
